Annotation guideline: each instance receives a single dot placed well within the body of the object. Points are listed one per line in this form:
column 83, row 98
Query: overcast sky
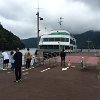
column 19, row 16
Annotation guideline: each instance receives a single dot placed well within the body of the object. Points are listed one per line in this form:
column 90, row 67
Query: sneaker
column 4, row 69
column 64, row 69
column 67, row 67
column 19, row 80
column 16, row 81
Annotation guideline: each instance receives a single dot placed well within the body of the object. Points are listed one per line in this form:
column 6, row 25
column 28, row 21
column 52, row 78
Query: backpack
column 28, row 55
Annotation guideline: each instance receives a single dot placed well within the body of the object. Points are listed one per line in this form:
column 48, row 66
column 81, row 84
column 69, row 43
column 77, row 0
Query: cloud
column 94, row 4
column 78, row 16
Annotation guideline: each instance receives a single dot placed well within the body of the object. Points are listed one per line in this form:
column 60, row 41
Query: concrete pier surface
column 49, row 82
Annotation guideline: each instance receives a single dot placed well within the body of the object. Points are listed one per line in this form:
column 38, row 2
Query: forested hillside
column 30, row 43
column 89, row 38
column 8, row 40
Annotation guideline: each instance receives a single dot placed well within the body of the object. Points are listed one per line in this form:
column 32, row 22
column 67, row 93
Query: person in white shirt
column 5, row 59
column 12, row 60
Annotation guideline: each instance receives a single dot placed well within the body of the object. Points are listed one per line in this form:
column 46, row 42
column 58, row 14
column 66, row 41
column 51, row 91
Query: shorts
column 6, row 61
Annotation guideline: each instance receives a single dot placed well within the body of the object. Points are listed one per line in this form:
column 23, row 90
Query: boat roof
column 59, row 32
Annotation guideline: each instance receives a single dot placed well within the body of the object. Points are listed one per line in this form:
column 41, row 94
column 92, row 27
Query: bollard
column 98, row 70
column 82, row 63
column 69, row 64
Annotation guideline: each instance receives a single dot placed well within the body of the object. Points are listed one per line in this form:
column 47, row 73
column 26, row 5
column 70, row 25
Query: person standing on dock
column 62, row 55
column 28, row 58
column 18, row 65
column 12, row 60
column 5, row 59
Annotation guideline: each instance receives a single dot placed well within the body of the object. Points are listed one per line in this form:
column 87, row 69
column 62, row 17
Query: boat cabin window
column 56, row 46
column 45, row 39
column 51, row 39
column 63, row 39
column 67, row 39
column 43, row 47
column 57, row 39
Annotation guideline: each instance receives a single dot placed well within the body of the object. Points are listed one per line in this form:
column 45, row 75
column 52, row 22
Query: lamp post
column 88, row 45
column 38, row 30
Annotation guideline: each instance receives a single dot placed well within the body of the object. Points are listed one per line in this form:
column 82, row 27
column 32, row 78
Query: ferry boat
column 57, row 40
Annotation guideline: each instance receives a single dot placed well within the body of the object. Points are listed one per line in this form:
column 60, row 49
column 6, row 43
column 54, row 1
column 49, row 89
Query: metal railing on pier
column 1, row 61
column 47, row 60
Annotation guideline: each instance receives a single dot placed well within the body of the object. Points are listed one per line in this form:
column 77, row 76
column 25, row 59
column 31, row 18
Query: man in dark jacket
column 62, row 55
column 18, row 65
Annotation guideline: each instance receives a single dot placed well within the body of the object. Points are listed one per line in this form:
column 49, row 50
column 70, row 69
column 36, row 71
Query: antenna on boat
column 60, row 21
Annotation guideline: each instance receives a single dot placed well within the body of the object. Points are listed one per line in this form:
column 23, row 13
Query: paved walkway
column 51, row 83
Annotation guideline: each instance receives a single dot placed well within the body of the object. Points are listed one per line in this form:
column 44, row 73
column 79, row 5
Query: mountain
column 89, row 39
column 8, row 40
column 30, row 43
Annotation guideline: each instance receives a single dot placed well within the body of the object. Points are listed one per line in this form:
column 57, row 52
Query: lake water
column 32, row 50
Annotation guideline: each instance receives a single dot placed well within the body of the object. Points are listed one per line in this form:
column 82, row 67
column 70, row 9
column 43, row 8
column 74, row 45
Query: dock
column 48, row 82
